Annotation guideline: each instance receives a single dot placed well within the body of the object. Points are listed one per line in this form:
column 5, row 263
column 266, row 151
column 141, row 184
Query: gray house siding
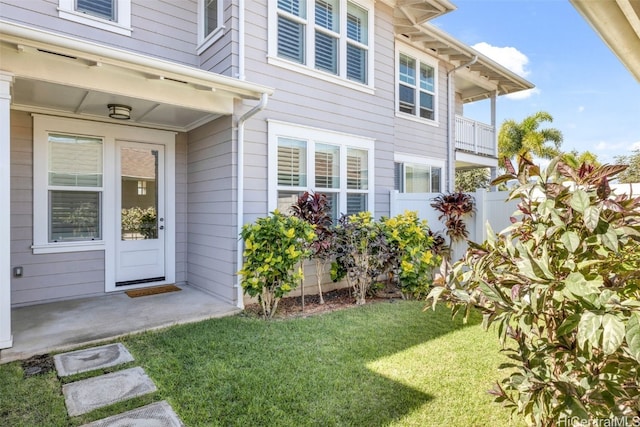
column 305, row 100
column 50, row 276
column 222, row 56
column 310, row 101
column 164, row 29
column 181, row 207
column 211, row 232
column 413, row 137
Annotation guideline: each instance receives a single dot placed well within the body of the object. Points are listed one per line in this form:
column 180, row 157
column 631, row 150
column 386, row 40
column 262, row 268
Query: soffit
column 59, row 75
column 618, row 24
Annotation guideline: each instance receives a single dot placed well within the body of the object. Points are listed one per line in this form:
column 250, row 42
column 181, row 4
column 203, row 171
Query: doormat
column 152, row 291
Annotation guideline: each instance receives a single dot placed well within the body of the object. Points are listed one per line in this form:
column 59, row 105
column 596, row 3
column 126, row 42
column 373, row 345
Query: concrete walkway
column 64, row 325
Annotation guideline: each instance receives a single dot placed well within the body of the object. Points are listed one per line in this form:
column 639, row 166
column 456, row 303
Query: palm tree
column 527, row 139
column 575, row 159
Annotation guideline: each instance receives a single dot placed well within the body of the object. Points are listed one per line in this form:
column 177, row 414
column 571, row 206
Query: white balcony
column 475, row 137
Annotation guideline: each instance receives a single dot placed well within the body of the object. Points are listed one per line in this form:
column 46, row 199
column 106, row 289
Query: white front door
column 140, row 214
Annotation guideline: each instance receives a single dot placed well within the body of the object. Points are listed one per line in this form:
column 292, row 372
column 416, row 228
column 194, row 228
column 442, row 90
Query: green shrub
column 361, row 252
column 274, row 246
column 561, row 286
column 412, row 253
column 315, row 209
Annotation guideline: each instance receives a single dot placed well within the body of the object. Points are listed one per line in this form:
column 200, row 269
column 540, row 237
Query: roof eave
column 618, row 25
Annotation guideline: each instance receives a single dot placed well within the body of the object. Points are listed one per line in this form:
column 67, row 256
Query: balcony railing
column 475, row 137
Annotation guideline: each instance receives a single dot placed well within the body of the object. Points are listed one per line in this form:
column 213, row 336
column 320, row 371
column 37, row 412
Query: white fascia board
column 23, row 35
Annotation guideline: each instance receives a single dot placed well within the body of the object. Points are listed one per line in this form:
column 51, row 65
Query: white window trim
column 274, row 59
column 429, row 60
column 279, row 129
column 413, row 159
column 204, row 42
column 122, row 24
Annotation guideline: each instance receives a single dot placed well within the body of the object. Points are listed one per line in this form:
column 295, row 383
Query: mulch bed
column 338, row 299
column 37, row 365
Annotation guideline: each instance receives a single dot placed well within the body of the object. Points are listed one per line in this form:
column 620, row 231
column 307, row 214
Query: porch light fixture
column 119, row 112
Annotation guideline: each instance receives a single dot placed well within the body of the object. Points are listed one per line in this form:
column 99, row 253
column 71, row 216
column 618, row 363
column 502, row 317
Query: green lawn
column 384, row 364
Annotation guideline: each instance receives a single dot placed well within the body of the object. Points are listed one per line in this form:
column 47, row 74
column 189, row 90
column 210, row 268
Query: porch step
column 90, row 359
column 93, row 393
column 159, row 414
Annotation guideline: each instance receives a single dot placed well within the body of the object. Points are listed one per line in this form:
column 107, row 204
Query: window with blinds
column 292, row 162
column 338, row 171
column 417, row 178
column 101, row 8
column 332, row 42
column 75, row 176
column 416, row 87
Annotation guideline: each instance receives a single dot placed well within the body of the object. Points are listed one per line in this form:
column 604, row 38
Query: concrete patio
column 64, row 325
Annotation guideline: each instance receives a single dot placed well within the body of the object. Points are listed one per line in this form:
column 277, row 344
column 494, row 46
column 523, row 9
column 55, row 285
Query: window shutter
column 326, row 53
column 294, row 7
column 326, row 15
column 356, row 63
column 100, row 8
column 292, row 159
column 327, row 164
column 75, row 161
column 397, row 177
column 290, row 40
column 357, row 173
column 356, row 203
column 75, row 215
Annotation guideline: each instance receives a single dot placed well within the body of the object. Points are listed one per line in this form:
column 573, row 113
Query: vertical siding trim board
column 6, row 339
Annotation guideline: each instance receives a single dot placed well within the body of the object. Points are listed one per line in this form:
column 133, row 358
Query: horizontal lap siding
column 164, row 29
column 310, row 101
column 222, row 56
column 211, row 232
column 181, row 207
column 46, row 276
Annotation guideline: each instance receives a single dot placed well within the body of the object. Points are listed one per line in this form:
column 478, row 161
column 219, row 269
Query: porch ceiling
column 60, row 75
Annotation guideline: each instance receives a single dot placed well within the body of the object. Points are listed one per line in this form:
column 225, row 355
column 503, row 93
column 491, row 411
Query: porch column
column 494, row 124
column 6, row 339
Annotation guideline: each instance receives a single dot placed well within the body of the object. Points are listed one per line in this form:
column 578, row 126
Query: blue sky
column 592, row 97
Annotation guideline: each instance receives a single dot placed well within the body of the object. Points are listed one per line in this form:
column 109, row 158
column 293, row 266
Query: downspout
column 451, row 143
column 240, row 188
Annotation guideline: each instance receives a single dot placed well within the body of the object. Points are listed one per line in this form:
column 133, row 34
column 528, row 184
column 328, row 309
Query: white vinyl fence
column 491, row 207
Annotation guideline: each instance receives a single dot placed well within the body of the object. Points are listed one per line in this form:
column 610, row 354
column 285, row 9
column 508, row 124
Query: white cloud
column 523, row 94
column 635, row 146
column 512, row 59
column 508, row 57
column 581, row 109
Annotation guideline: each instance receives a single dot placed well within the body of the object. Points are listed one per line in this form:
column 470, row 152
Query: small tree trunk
column 302, row 288
column 319, row 274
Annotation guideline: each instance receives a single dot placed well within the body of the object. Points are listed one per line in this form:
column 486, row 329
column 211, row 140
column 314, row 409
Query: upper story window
column 330, row 36
column 413, row 174
column 417, row 85
column 210, row 23
column 110, row 15
column 338, row 165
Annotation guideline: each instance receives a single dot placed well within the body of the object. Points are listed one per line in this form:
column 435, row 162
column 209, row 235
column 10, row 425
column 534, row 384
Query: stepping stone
column 86, row 395
column 90, row 359
column 159, row 414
